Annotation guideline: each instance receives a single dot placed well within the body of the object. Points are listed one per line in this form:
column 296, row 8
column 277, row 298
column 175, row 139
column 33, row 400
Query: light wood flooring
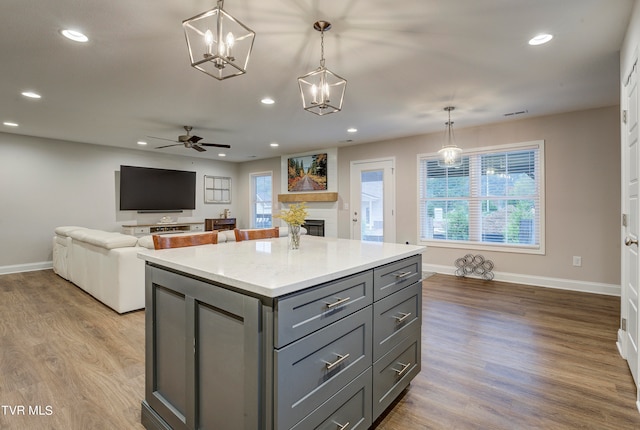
column 494, row 356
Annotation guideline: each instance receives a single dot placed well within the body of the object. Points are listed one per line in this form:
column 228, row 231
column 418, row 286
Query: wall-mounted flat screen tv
column 146, row 189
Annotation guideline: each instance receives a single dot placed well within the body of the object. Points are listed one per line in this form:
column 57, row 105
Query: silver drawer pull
column 402, row 274
column 340, row 359
column 341, row 426
column 402, row 317
column 338, row 303
column 400, row 372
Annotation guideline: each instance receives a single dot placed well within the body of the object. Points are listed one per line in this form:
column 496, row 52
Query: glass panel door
column 372, row 199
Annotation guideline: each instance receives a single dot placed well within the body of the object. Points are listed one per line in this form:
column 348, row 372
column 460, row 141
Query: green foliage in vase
column 295, row 215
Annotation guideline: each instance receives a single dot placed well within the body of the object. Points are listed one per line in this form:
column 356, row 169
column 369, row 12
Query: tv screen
column 156, row 190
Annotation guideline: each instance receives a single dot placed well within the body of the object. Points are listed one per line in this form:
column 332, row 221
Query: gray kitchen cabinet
column 331, row 356
column 202, row 350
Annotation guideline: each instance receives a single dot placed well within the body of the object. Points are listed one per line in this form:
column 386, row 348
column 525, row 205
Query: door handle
column 629, row 241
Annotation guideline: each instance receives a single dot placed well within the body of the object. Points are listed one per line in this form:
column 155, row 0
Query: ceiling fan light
column 219, row 45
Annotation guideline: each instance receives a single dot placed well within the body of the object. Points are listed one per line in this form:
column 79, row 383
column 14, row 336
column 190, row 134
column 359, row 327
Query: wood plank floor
column 503, row 356
column 494, row 356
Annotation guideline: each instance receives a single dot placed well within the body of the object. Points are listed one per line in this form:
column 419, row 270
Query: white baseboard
column 29, row 267
column 538, row 281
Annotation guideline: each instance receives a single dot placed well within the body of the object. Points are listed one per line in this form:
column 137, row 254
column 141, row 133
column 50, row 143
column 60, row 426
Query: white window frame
column 485, row 246
column 253, row 194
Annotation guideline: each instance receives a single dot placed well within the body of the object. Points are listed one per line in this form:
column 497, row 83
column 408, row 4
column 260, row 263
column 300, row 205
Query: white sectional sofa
column 106, row 265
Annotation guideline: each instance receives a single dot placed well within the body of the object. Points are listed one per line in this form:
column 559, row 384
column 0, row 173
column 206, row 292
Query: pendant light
column 449, row 155
column 322, row 91
column 219, row 45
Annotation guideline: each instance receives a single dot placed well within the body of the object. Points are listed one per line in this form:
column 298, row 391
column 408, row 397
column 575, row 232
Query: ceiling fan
column 190, row 141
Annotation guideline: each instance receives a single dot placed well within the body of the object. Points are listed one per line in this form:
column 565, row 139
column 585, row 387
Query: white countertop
column 268, row 268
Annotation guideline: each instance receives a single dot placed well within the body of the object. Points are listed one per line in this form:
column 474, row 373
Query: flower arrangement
column 295, row 215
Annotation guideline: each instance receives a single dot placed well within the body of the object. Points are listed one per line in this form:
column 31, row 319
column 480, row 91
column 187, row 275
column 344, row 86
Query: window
column 261, row 200
column 493, row 201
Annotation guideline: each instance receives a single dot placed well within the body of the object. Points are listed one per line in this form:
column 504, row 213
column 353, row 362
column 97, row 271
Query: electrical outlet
column 577, row 261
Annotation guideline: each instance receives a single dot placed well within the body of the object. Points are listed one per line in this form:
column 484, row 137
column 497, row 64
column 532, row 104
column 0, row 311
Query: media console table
column 144, row 229
column 251, row 335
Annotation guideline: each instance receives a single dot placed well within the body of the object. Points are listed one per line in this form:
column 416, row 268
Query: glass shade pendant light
column 322, row 91
column 219, row 45
column 449, row 155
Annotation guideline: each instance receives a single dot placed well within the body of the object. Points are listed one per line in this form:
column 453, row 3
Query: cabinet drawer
column 393, row 372
column 311, row 370
column 298, row 315
column 395, row 276
column 350, row 408
column 197, row 227
column 393, row 316
column 140, row 230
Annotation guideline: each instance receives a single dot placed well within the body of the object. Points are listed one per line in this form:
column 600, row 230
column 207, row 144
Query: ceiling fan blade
column 194, row 139
column 162, row 138
column 217, row 145
column 167, row 146
column 198, row 148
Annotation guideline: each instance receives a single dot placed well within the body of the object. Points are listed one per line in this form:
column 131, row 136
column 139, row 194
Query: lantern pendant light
column 322, row 91
column 219, row 45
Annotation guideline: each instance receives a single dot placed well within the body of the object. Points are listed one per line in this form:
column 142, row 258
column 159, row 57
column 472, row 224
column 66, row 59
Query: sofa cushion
column 104, row 239
column 65, row 230
column 226, row 236
column 146, row 241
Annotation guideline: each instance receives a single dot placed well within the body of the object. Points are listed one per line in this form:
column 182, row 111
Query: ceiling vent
column 516, row 113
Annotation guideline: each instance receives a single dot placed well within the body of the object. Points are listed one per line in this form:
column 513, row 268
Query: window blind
column 493, row 200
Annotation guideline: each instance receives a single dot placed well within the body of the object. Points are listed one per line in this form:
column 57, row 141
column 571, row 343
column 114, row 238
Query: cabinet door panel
column 170, row 384
column 203, row 367
column 218, row 367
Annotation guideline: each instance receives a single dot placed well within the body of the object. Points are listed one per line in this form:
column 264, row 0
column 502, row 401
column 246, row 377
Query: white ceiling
column 405, row 60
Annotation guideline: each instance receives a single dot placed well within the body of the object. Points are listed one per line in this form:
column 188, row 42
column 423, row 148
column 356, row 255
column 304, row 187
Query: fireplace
column 315, row 227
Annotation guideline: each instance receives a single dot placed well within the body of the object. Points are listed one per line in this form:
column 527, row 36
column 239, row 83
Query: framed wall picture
column 307, row 173
column 217, row 189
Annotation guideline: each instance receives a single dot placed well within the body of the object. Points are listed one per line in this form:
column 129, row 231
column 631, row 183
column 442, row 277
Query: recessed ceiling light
column 74, row 35
column 31, row 95
column 142, row 142
column 10, row 124
column 541, row 39
column 222, row 154
column 267, row 101
column 352, row 130
column 274, row 144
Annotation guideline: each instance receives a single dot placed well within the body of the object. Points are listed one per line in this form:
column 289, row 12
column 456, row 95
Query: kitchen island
column 252, row 335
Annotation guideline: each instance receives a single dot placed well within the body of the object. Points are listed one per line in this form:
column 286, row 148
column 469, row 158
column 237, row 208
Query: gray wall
column 582, row 163
column 46, row 183
column 582, row 171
